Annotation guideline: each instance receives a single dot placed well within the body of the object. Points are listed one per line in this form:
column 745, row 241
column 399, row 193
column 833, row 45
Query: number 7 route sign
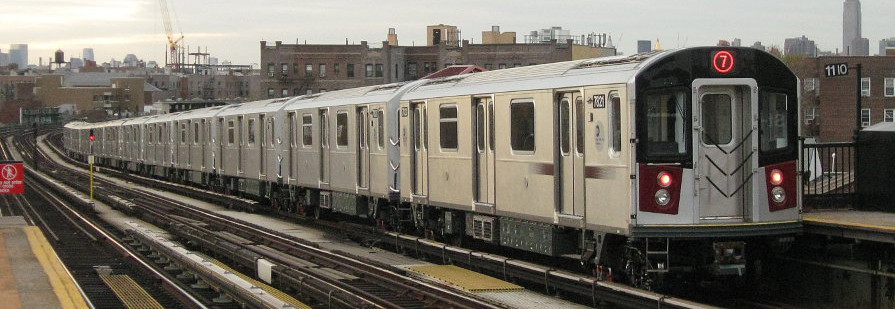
column 12, row 178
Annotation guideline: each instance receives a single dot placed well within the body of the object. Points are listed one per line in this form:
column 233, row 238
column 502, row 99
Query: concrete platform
column 31, row 274
column 864, row 225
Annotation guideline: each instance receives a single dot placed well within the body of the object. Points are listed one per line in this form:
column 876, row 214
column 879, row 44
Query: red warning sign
column 12, row 178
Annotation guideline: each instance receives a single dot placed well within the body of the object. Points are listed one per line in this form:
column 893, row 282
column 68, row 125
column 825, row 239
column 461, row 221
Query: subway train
column 678, row 161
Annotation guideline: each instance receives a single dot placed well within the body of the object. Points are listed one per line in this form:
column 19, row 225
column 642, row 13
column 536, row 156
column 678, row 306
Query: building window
column 309, row 91
column 522, row 125
column 865, row 117
column 379, row 70
column 309, row 70
column 412, row 70
column 865, row 87
column 501, row 66
column 890, row 87
column 448, row 126
column 349, row 69
column 427, row 67
column 284, row 69
column 285, row 92
column 489, row 66
column 810, row 115
column 270, row 70
column 270, row 92
column 889, row 115
column 369, row 70
column 342, row 129
column 322, row 68
column 810, row 84
column 336, row 69
column 307, row 139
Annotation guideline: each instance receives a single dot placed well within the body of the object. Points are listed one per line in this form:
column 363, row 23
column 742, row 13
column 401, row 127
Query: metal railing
column 828, row 174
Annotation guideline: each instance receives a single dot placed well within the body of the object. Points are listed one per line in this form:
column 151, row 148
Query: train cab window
column 666, row 123
column 448, row 126
column 251, row 133
column 307, row 138
column 522, row 125
column 615, row 113
column 717, row 119
column 772, row 122
column 341, row 129
column 231, row 132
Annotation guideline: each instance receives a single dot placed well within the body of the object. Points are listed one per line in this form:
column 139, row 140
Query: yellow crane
column 172, row 58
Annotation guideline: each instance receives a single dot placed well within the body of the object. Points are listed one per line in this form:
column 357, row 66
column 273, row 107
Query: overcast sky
column 232, row 29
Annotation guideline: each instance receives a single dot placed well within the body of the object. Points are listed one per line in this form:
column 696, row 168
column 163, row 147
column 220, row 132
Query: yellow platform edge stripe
column 130, row 293
column 465, row 279
column 846, row 223
column 269, row 289
column 63, row 285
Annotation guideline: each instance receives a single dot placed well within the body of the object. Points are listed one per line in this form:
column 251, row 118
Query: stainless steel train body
column 693, row 151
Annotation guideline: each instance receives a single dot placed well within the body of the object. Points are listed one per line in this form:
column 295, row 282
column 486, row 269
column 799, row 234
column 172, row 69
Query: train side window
column 307, row 138
column 251, row 133
column 183, row 133
column 772, row 121
column 231, row 132
column 615, row 113
column 448, row 126
column 196, row 133
column 381, row 129
column 522, row 125
column 269, row 132
column 341, row 129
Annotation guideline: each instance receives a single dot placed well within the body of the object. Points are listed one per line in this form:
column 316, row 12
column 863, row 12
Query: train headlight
column 778, row 194
column 776, row 177
column 663, row 197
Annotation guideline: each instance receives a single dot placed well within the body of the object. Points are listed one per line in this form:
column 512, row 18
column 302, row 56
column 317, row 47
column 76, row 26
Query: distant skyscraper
column 644, row 46
column 4, row 59
column 758, row 45
column 799, row 46
column 885, row 44
column 18, row 54
column 88, row 54
column 851, row 29
column 736, row 43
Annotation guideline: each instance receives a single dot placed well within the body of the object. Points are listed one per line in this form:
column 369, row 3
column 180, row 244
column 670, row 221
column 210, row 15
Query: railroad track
column 366, row 284
column 81, row 244
column 581, row 288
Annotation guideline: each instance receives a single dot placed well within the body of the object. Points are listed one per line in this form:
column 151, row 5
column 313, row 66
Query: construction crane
column 172, row 58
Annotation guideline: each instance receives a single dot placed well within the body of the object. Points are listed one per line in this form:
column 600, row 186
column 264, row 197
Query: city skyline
column 117, row 28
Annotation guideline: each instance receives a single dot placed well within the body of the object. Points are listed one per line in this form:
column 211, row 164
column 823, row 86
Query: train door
column 569, row 156
column 262, row 126
column 484, row 151
column 419, row 140
column 363, row 148
column 324, row 146
column 724, row 150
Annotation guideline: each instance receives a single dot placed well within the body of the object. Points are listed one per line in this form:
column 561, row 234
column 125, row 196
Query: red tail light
column 664, row 179
column 776, row 177
column 660, row 188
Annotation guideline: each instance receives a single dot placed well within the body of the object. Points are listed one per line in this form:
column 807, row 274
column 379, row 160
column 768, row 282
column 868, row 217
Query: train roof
column 263, row 106
column 362, row 95
column 606, row 70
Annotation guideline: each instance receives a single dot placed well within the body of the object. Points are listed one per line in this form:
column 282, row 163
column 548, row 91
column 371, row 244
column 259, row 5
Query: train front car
column 716, row 162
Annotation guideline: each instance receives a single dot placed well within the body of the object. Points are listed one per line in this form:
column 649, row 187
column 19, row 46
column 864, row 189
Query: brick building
column 94, row 93
column 829, row 104
column 297, row 69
